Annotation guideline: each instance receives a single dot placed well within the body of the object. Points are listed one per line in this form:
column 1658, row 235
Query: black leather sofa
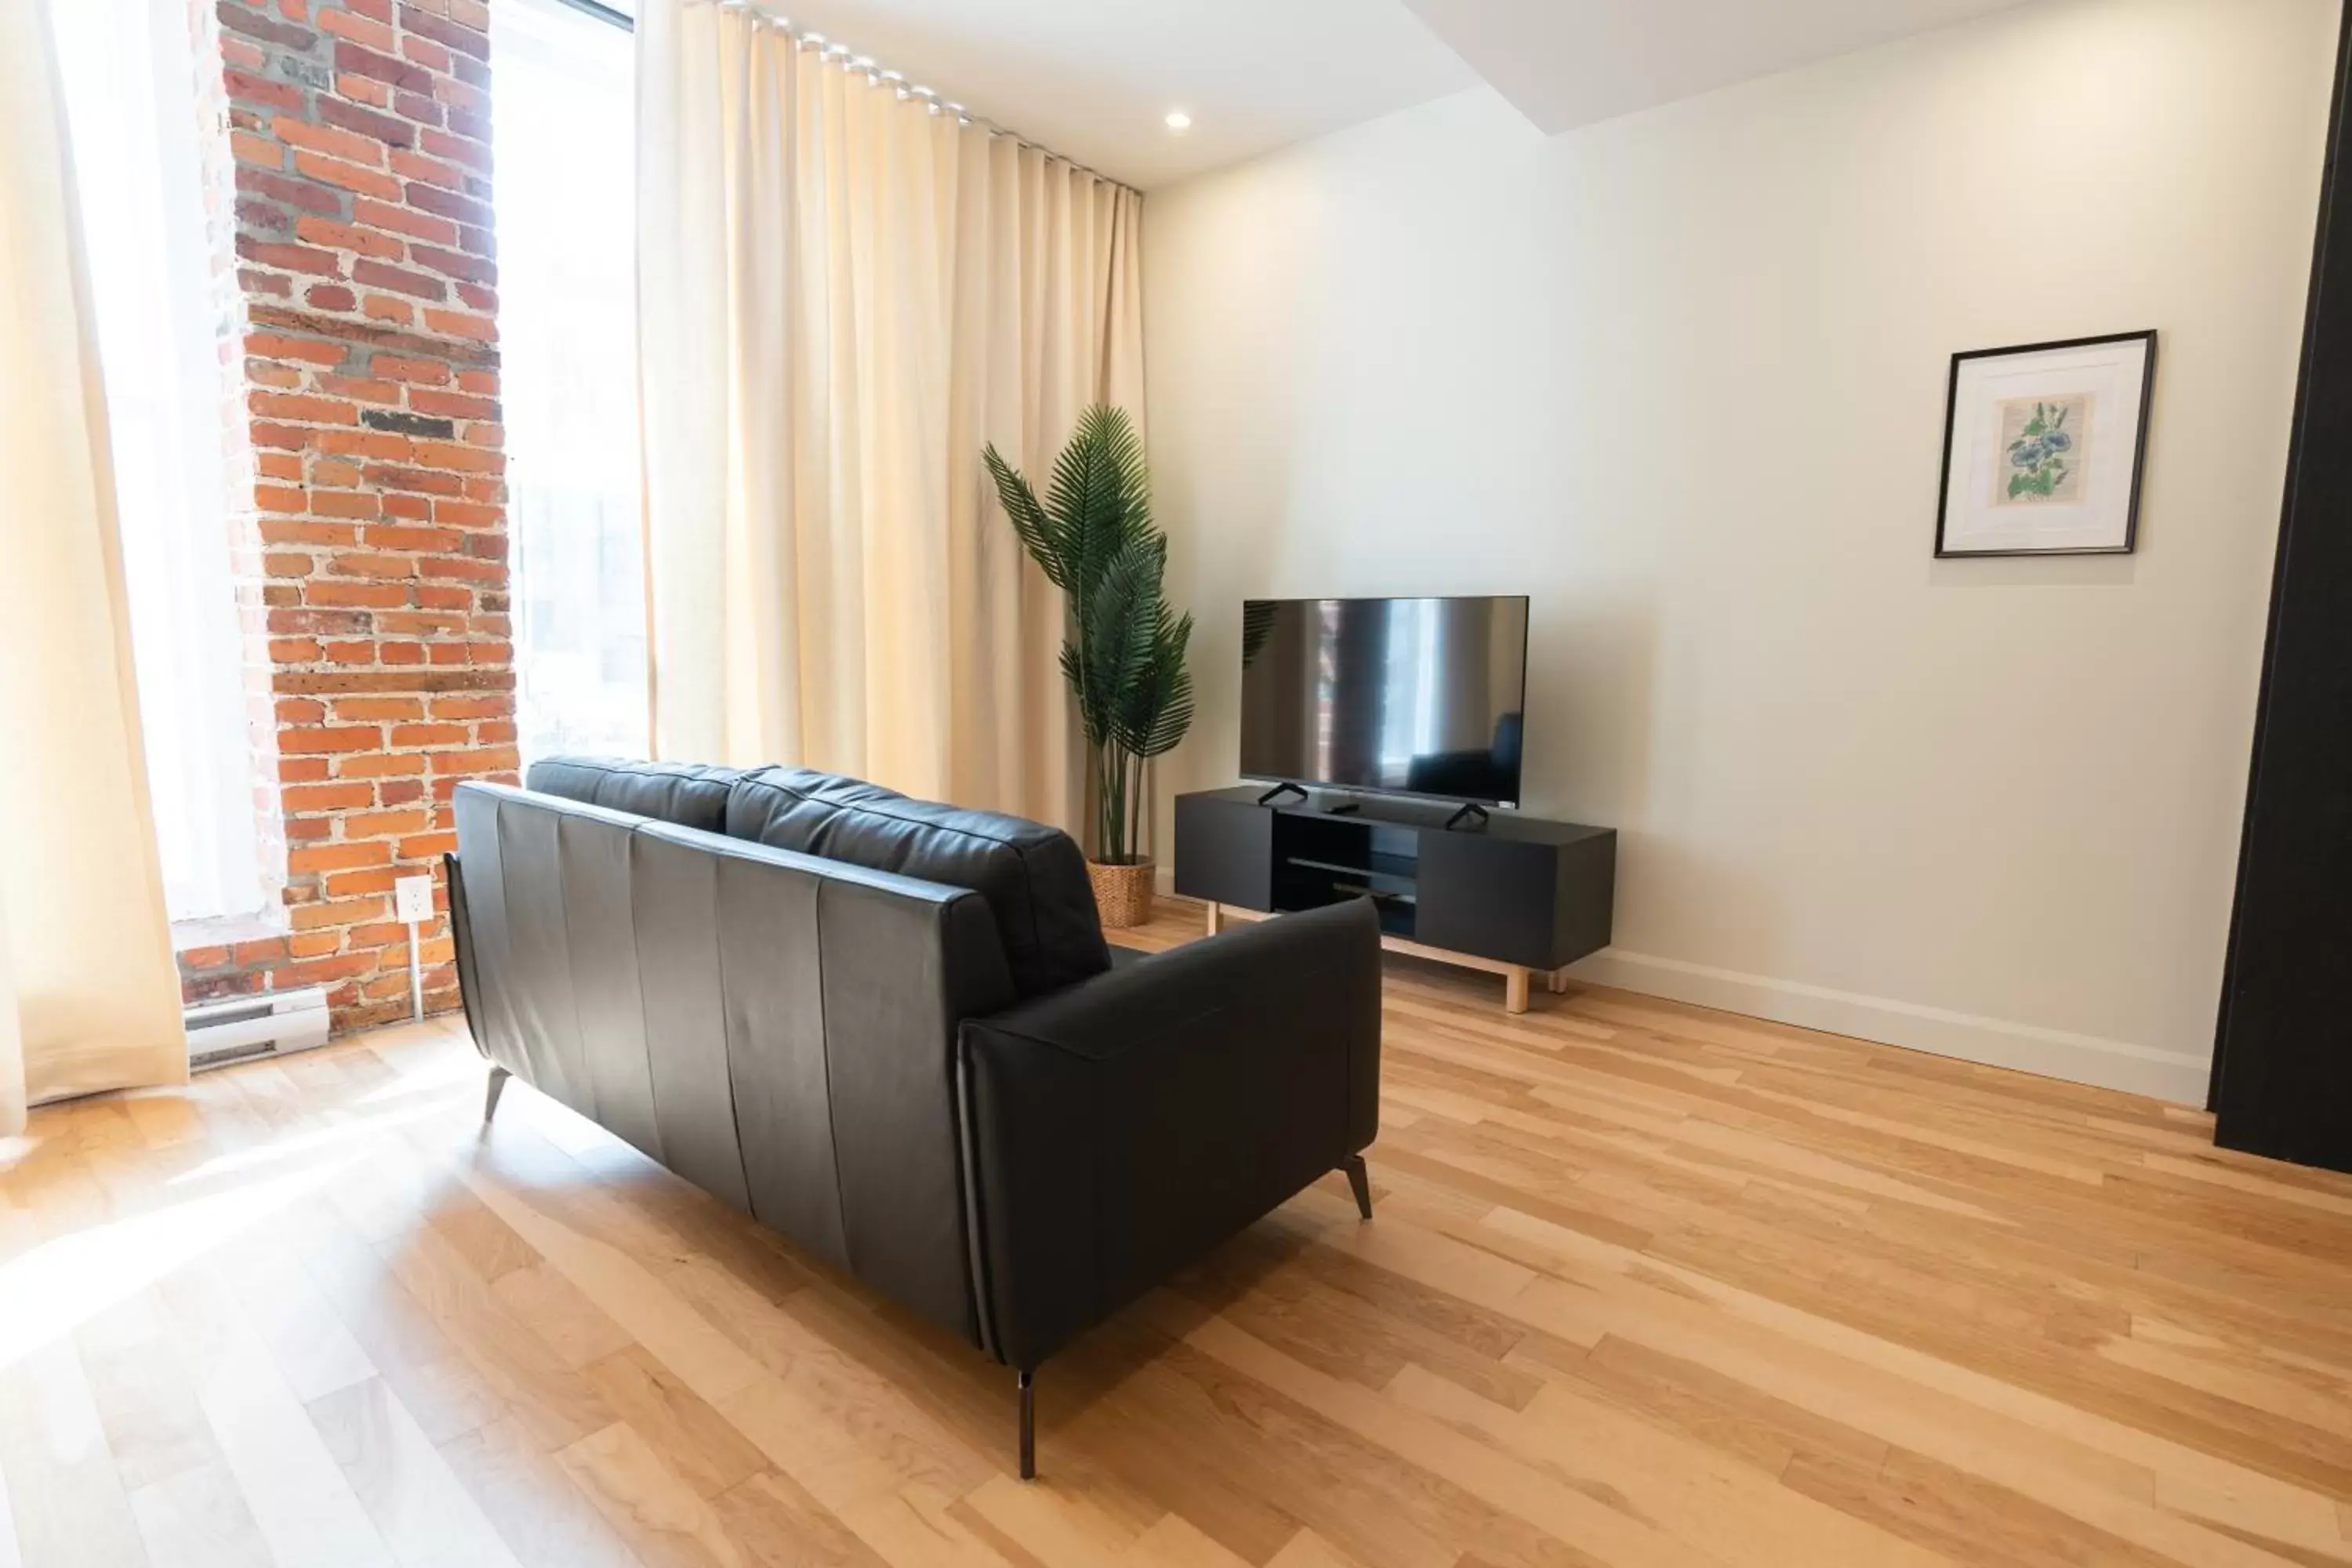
column 892, row 1031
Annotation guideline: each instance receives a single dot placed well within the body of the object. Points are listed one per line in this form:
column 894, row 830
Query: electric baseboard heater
column 246, row 1028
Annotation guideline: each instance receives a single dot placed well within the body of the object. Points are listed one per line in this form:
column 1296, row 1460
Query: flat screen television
column 1423, row 697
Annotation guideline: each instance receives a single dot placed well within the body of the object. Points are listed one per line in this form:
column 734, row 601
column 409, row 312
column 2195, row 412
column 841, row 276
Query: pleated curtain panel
column 846, row 292
column 89, row 998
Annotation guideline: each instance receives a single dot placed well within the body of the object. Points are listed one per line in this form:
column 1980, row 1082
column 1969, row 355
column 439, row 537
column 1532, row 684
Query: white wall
column 1681, row 377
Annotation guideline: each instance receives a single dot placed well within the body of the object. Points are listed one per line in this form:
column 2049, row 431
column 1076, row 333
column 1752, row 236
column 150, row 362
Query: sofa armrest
column 1119, row 1129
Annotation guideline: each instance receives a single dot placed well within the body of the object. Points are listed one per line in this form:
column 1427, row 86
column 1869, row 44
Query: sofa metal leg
column 1028, row 1425
column 1360, row 1182
column 499, row 1077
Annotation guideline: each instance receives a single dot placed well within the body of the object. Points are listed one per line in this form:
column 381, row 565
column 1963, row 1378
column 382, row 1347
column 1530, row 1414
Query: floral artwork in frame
column 2044, row 447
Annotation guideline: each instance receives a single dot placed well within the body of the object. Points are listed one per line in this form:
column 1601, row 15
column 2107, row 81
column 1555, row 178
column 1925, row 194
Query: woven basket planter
column 1122, row 893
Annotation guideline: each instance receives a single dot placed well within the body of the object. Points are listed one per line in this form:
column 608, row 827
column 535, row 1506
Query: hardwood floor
column 1647, row 1285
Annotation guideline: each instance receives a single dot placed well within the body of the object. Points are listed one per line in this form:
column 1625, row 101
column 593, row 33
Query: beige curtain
column 846, row 294
column 89, row 996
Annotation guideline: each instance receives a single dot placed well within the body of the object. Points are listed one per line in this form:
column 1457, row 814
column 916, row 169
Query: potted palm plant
column 1123, row 654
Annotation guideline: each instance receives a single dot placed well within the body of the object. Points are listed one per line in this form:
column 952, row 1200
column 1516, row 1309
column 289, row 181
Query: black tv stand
column 1284, row 789
column 1470, row 808
column 1520, row 896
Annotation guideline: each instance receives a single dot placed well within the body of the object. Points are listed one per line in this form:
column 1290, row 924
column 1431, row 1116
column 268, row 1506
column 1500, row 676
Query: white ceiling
column 1565, row 63
column 1095, row 79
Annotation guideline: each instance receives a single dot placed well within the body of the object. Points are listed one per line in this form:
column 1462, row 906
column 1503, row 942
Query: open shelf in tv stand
column 1515, row 895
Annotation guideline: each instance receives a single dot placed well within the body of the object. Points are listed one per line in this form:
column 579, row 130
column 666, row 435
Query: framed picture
column 2043, row 447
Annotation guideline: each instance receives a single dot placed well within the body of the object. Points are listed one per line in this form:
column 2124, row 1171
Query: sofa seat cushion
column 689, row 795
column 1033, row 877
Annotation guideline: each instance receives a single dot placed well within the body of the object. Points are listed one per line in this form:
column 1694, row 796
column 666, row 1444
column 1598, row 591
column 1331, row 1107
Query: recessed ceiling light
column 1179, row 120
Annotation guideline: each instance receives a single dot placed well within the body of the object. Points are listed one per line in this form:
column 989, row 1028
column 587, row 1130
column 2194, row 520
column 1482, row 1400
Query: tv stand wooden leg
column 1514, row 989
column 1216, row 920
column 1558, row 983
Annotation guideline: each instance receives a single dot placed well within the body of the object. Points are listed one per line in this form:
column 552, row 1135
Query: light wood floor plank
column 301, row 1502
column 662, row 1518
column 66, row 1501
column 199, row 1519
column 774, row 1522
column 1308, row 1549
column 139, row 1380
column 405, row 1484
column 533, row 1503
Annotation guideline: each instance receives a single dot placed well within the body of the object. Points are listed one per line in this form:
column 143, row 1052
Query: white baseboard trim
column 1995, row 1042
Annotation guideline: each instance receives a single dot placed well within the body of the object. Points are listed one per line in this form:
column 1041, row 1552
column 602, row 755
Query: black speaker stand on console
column 1515, row 895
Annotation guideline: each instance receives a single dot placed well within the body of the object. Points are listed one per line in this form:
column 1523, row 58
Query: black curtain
column 2283, row 1051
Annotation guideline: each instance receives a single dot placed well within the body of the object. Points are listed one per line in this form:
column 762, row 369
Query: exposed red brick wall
column 372, row 526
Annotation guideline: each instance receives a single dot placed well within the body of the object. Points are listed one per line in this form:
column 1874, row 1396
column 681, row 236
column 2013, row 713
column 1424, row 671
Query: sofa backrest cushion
column 689, row 795
column 1033, row 877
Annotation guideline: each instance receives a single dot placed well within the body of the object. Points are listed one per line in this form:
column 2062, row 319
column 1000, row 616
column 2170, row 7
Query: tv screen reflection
column 1407, row 695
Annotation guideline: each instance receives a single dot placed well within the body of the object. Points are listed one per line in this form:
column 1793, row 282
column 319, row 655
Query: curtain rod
column 841, row 54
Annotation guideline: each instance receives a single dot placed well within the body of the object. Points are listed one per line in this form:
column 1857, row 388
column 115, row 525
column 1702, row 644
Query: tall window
column 129, row 68
column 564, row 112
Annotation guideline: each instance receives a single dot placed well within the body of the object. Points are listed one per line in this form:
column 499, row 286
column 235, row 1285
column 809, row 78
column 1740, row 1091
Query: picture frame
column 2044, row 447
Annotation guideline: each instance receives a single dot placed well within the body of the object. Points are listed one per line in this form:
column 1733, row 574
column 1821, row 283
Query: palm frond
column 1036, row 531
column 1099, row 494
column 1172, row 714
column 1158, row 710
column 1074, row 672
column 1124, row 621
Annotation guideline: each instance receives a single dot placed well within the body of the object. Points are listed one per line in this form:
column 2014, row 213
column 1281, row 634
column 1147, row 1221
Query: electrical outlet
column 412, row 899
